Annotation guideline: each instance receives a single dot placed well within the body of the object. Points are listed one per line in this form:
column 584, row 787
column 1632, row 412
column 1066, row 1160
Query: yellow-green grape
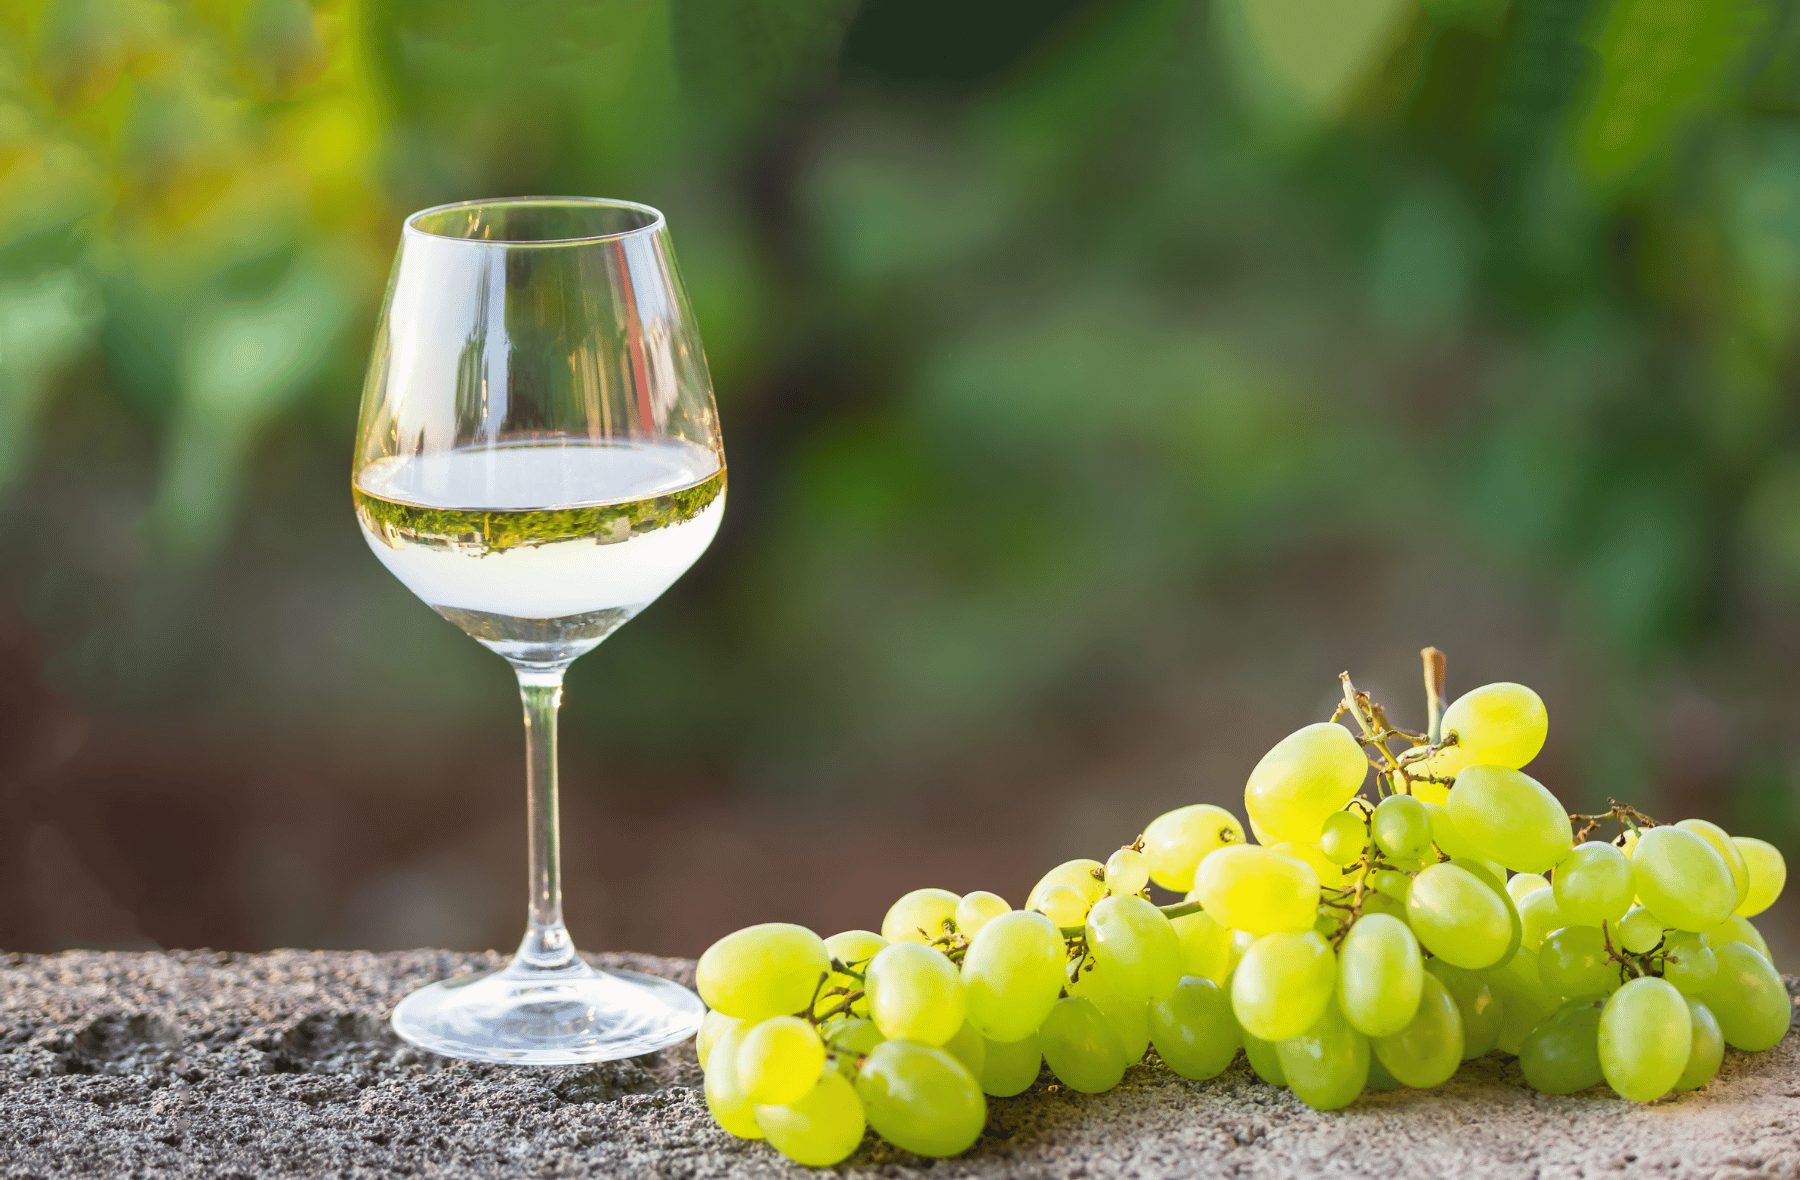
column 1497, row 724
column 1522, row 999
column 1689, row 963
column 1380, row 903
column 1012, row 975
column 1561, row 1053
column 1428, row 1049
column 1639, row 931
column 1326, row 1066
column 850, row 1042
column 1402, row 827
column 1309, row 774
column 1494, row 877
column 1063, row 906
column 1539, row 915
column 821, row 1127
column 1176, row 842
column 1247, row 887
column 1282, row 984
column 1427, row 790
column 1085, row 877
column 1330, row 875
column 1264, row 1058
column 1132, row 941
column 1593, row 884
column 968, row 1047
column 1458, row 917
column 1127, row 872
column 1206, row 949
column 1728, row 851
column 1010, row 1067
column 1125, row 1009
column 1391, row 882
column 1193, row 1029
column 1748, row 998
column 1080, row 1046
column 778, row 1060
column 920, row 916
column 1380, row 975
column 1344, row 837
column 854, row 949
column 1443, row 831
column 1508, row 816
column 1738, row 929
column 1706, row 1053
column 731, row 1108
column 1476, row 1001
column 1379, row 1077
column 1681, row 879
column 976, row 910
column 1574, row 962
column 915, row 994
column 1768, row 874
column 921, row 1099
column 762, row 971
column 1519, row 884
column 1646, row 1034
column 712, row 1026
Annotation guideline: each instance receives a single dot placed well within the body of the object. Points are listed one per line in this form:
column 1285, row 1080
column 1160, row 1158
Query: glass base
column 571, row 1015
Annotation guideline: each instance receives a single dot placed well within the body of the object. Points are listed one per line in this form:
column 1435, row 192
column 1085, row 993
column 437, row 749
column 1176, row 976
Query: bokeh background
column 1100, row 378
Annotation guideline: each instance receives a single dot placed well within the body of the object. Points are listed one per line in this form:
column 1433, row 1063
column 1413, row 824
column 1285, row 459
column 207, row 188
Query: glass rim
column 410, row 226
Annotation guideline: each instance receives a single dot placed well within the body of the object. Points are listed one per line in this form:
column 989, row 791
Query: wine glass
column 538, row 458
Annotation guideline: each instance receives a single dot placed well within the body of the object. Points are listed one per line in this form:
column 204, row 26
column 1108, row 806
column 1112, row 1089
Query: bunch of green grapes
column 1359, row 943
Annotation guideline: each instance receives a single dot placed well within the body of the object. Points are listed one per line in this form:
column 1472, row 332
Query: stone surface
column 281, row 1064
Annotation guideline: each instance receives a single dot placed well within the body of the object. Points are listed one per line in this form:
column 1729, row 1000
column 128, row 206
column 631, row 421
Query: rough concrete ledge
column 282, row 1064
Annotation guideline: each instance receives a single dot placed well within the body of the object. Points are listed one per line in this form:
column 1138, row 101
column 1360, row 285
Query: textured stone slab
column 281, row 1064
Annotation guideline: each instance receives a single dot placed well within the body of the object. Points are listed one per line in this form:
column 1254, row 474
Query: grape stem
column 1435, row 662
column 1628, row 817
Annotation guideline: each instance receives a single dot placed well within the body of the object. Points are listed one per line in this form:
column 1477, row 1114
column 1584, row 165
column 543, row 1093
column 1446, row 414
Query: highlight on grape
column 1358, row 944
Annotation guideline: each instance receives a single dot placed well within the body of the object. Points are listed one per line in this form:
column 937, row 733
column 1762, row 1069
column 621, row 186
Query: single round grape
column 1638, row 931
column 1375, row 902
column 1428, row 790
column 1476, row 1002
column 968, row 1047
column 1010, row 1066
column 731, row 1108
column 1344, row 837
column 1127, row 872
column 1593, row 884
column 1086, row 877
column 1429, row 1048
column 1391, row 882
column 920, row 916
column 1681, row 879
column 1728, row 851
column 1080, row 1046
column 778, row 1060
column 1125, row 1008
column 976, row 910
column 821, row 1127
column 1689, row 964
column 1248, row 887
column 1443, row 830
column 1309, row 774
column 1132, row 941
column 1402, row 827
column 1379, row 1077
column 1574, row 962
column 1064, row 906
column 1458, row 916
column 1539, row 915
column 1193, row 1029
column 1508, row 816
column 854, row 949
column 1646, row 1034
column 1768, row 874
column 1498, row 724
column 1012, row 974
column 1264, row 1059
column 1206, row 949
column 1523, row 1000
column 712, row 1026
column 1737, row 928
column 1561, row 1053
column 921, row 1099
column 1380, row 975
column 1282, row 984
column 1519, row 884
column 1748, row 998
column 1175, row 843
column 1330, row 875
column 850, row 1042
column 762, row 971
column 1326, row 1066
column 1707, row 1051
column 915, row 994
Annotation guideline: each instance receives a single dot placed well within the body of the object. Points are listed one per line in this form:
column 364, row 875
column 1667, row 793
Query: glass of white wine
column 538, row 458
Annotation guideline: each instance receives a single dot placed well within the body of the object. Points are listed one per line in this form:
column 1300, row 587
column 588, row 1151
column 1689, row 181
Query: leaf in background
column 1423, row 272
column 1298, row 63
column 738, row 59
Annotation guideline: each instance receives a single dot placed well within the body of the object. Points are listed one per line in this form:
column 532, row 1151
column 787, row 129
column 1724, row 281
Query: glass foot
column 570, row 1015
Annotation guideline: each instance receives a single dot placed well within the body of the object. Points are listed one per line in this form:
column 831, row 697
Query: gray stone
column 281, row 1064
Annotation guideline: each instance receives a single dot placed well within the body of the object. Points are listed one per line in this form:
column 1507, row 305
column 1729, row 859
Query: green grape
column 1748, row 998
column 778, row 1060
column 976, row 910
column 1500, row 724
column 821, row 1127
column 1459, row 917
column 1574, row 962
column 1443, row 831
column 1085, row 877
column 1135, row 944
column 1646, row 1034
column 1519, row 884
column 1193, row 1029
column 1402, row 827
column 1476, row 1002
column 1009, row 1067
column 1639, row 931
column 1379, row 1077
column 1326, row 1066
column 1206, row 948
column 915, row 994
column 731, row 1108
column 1264, row 1059
column 1426, row 791
column 1064, row 906
column 1767, row 870
column 1737, row 928
column 1728, row 851
column 712, row 1026
column 1080, row 1047
column 1125, row 1008
column 1127, row 872
column 1494, row 877
column 921, row 1099
column 1538, row 916
column 1561, row 1054
column 1327, row 923
column 1282, row 984
column 1309, row 774
column 1344, row 837
column 1690, row 964
column 1012, row 975
column 1330, row 875
column 968, row 1047
column 1176, row 843
column 1429, row 1048
column 1706, row 1053
column 1248, row 887
column 1392, row 882
column 851, row 1041
column 1593, row 885
column 920, row 916
column 1380, row 975
column 1681, row 879
column 1523, row 1001
column 762, row 971
column 1380, row 903
column 854, row 949
column 1508, row 816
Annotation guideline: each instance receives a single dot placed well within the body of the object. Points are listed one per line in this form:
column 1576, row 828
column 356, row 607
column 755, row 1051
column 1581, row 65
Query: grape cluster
column 1354, row 945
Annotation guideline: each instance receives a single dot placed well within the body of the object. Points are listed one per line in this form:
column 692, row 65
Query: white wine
column 541, row 550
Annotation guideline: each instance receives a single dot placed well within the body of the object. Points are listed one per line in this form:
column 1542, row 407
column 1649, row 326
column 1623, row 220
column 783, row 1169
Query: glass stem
column 546, row 946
